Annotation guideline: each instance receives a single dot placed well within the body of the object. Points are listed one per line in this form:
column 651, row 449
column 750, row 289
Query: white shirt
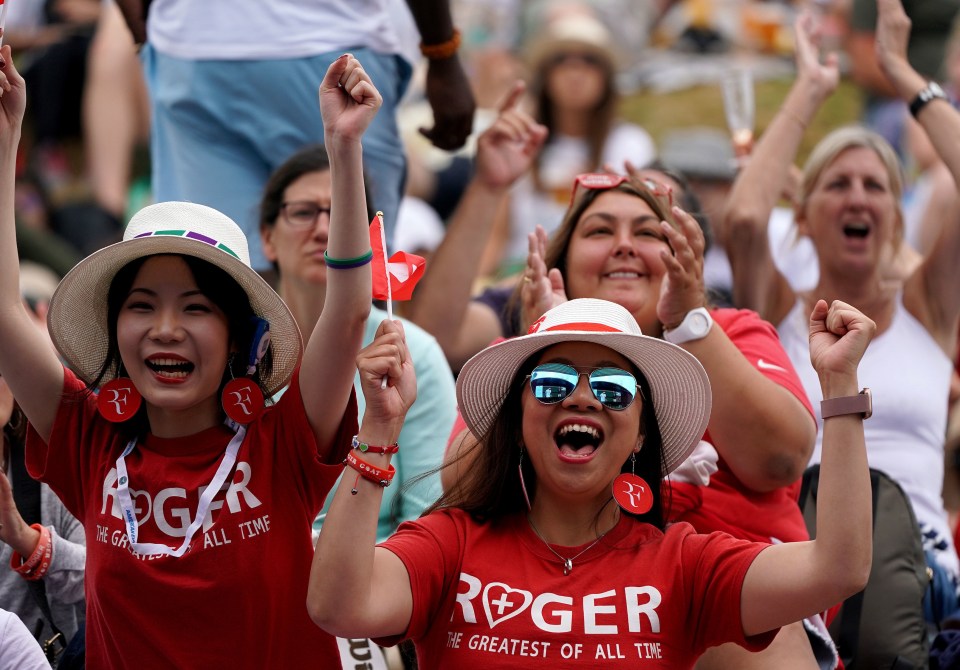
column 268, row 29
column 18, row 649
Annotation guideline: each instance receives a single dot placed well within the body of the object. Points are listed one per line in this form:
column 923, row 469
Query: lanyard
column 126, row 503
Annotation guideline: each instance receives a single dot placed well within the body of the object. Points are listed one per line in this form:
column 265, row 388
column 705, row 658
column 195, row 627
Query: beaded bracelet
column 442, row 50
column 36, row 566
column 364, row 447
column 369, row 472
column 348, row 263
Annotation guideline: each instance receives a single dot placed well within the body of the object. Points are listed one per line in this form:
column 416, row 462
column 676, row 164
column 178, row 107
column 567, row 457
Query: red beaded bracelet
column 36, row 566
column 364, row 447
column 369, row 472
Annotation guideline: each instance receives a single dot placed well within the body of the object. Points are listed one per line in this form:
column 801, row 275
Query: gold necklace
column 568, row 562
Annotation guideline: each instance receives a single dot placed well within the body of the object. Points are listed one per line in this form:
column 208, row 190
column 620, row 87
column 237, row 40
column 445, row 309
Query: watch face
column 699, row 324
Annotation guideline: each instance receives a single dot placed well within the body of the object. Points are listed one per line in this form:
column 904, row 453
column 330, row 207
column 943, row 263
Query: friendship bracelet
column 364, row 447
column 348, row 263
column 442, row 50
column 36, row 566
column 369, row 472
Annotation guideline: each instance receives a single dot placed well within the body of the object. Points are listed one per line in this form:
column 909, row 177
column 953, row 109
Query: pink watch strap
column 862, row 403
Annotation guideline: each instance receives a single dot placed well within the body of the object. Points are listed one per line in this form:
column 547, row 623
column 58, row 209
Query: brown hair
column 602, row 117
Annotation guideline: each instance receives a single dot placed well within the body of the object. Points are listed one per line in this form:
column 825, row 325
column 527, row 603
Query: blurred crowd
column 477, row 160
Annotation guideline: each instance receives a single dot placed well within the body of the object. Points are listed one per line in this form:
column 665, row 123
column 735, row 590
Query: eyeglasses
column 302, row 213
column 613, row 387
column 604, row 181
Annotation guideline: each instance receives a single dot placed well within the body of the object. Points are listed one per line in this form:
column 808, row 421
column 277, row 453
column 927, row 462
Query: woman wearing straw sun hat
column 196, row 499
column 556, row 552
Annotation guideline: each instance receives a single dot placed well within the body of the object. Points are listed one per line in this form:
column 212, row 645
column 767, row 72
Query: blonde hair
column 853, row 137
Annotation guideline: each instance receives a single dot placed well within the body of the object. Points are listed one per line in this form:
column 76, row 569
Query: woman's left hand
column 387, row 356
column 839, row 335
column 682, row 288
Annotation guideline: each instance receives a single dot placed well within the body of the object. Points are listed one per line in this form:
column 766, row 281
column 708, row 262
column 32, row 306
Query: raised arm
column 757, row 284
column 356, row 588
column 931, row 292
column 788, row 582
column 448, row 89
column 443, row 305
column 762, row 431
column 348, row 103
column 28, row 364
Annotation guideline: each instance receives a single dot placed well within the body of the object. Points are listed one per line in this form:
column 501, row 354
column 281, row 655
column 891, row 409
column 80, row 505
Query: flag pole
column 383, row 245
column 3, row 21
column 386, row 270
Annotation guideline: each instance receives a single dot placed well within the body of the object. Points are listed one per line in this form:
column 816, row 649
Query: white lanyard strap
column 126, row 503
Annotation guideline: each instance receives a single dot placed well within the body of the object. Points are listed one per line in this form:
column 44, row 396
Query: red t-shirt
column 726, row 504
column 493, row 595
column 237, row 598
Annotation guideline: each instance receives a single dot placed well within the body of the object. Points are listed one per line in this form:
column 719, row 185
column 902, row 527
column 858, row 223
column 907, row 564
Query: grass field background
column 703, row 106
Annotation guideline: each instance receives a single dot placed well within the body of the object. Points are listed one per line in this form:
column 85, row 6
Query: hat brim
column 678, row 383
column 77, row 319
column 543, row 50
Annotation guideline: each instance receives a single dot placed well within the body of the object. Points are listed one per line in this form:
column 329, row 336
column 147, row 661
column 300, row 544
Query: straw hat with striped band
column 678, row 383
column 77, row 319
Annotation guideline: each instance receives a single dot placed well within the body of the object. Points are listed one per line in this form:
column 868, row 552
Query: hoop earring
column 631, row 492
column 119, row 400
column 241, row 398
column 523, row 484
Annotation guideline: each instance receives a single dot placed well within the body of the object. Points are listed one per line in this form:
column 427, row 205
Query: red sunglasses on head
column 603, row 181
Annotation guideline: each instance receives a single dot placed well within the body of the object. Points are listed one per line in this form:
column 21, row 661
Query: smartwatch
column 695, row 326
column 931, row 91
column 861, row 404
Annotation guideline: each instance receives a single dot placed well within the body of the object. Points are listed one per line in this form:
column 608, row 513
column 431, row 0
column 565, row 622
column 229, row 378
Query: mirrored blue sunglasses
column 613, row 387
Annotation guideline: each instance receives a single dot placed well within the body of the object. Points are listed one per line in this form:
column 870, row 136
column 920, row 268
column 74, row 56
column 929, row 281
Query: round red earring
column 632, row 492
column 242, row 400
column 118, row 400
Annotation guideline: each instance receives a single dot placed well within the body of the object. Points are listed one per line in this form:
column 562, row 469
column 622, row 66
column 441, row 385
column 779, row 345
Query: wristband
column 348, row 263
column 442, row 50
column 861, row 404
column 36, row 566
column 369, row 448
column 372, row 473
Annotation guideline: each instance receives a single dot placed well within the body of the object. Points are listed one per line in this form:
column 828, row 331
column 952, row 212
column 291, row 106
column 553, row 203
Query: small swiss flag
column 404, row 270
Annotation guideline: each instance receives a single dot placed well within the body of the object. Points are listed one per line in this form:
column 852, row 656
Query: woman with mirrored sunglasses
column 556, row 554
column 612, row 244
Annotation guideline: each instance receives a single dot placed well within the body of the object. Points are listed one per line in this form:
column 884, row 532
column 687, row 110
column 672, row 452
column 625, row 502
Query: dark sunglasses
column 604, row 181
column 613, row 387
